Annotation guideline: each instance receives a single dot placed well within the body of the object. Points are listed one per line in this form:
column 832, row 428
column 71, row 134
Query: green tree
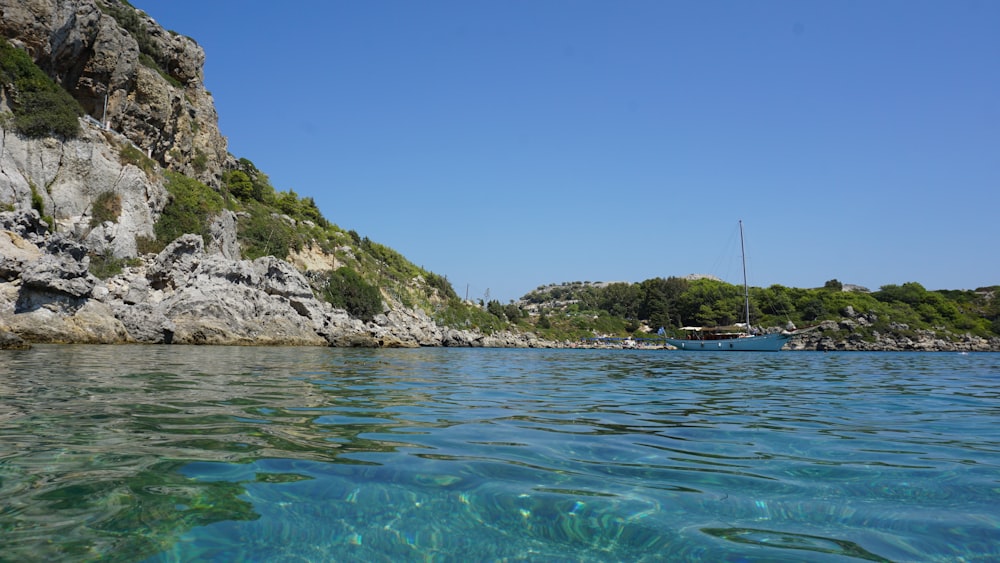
column 288, row 203
column 834, row 284
column 513, row 313
column 543, row 321
column 263, row 191
column 707, row 299
column 494, row 308
column 239, row 184
column 441, row 284
column 813, row 309
column 659, row 300
column 911, row 293
column 619, row 299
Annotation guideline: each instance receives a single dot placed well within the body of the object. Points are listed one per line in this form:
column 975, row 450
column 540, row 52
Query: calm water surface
column 173, row 453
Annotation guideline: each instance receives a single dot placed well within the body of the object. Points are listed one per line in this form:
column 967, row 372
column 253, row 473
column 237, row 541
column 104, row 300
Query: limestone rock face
column 92, row 48
column 165, row 111
column 70, row 177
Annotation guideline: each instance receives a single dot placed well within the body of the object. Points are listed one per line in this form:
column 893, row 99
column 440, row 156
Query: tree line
column 674, row 302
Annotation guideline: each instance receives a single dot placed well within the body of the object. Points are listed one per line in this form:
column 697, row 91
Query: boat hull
column 761, row 343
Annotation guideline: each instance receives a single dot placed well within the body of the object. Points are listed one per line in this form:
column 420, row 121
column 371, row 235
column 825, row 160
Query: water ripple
column 180, row 453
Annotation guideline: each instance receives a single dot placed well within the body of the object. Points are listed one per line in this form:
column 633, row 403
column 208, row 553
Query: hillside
column 111, row 160
column 896, row 317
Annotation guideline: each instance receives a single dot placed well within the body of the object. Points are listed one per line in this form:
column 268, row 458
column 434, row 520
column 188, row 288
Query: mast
column 746, row 291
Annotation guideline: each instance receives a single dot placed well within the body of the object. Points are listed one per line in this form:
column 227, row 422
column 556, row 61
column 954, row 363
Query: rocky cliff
column 186, row 295
column 126, row 71
column 157, row 111
column 147, row 110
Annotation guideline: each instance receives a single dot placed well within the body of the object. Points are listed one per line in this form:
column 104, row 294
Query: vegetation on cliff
column 39, row 106
column 150, row 53
column 360, row 272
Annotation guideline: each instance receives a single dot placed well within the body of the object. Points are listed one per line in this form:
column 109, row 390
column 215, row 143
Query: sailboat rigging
column 734, row 338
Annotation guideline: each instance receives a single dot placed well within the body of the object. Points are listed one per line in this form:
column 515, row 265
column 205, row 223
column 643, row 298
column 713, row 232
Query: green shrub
column 239, row 184
column 441, row 284
column 106, row 207
column 261, row 189
column 513, row 312
column 200, row 161
column 129, row 154
column 345, row 289
column 457, row 314
column 37, row 203
column 104, row 266
column 191, row 208
column 148, row 245
column 262, row 234
column 543, row 321
column 41, row 108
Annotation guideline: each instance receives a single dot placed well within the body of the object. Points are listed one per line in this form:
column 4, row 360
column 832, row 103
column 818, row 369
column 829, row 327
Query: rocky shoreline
column 188, row 294
column 905, row 341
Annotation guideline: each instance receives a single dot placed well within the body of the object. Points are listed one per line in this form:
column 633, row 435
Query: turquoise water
column 169, row 453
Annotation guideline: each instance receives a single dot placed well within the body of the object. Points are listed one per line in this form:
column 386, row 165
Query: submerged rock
column 11, row 341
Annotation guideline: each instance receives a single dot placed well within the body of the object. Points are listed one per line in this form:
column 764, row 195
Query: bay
column 175, row 453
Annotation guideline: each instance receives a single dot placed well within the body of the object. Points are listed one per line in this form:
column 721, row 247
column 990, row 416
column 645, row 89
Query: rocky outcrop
column 69, row 177
column 11, row 341
column 187, row 295
column 850, row 334
column 127, row 71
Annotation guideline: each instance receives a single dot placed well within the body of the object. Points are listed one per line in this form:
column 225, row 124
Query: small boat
column 738, row 337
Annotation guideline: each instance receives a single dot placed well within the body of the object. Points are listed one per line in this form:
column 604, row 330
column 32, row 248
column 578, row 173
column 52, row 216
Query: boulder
column 11, row 341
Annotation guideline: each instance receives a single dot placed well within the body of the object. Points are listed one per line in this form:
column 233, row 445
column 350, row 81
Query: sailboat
column 737, row 337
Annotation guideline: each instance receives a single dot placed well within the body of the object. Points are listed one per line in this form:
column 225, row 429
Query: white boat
column 735, row 338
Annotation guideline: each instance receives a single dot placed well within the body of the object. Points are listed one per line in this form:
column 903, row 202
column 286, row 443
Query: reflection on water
column 207, row 453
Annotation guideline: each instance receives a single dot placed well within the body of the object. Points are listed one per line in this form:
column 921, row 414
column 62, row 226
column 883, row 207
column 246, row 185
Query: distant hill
column 903, row 316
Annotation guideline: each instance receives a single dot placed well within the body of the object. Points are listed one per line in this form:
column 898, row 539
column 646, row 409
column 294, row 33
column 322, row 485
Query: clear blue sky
column 510, row 144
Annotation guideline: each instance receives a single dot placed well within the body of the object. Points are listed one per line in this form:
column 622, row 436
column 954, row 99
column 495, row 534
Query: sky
column 512, row 144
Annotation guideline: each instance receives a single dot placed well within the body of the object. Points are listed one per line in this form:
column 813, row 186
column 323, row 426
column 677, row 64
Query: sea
column 229, row 454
